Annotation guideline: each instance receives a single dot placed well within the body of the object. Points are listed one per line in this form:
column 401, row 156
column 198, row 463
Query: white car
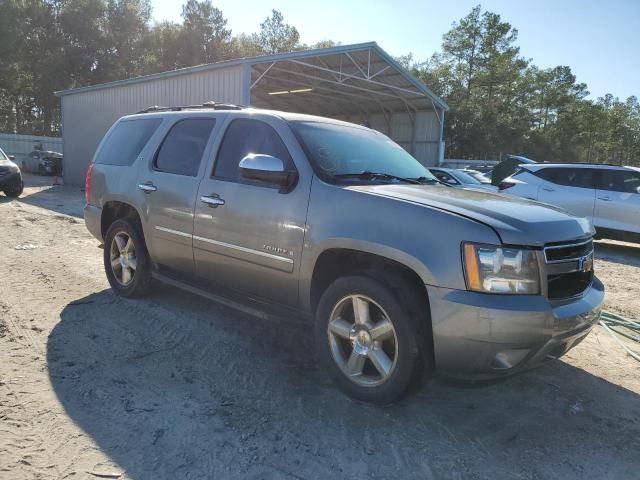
column 608, row 195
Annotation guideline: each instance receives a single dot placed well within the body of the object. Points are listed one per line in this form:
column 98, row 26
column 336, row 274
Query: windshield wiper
column 427, row 180
column 366, row 175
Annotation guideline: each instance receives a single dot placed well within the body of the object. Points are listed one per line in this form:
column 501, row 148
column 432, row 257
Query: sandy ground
column 176, row 387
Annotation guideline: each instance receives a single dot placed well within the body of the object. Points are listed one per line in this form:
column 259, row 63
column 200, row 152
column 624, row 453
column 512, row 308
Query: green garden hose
column 618, row 326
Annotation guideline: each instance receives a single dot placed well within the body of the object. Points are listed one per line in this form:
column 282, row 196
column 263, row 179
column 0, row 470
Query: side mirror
column 266, row 168
column 11, row 157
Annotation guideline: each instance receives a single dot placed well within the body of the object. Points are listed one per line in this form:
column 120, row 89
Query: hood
column 516, row 221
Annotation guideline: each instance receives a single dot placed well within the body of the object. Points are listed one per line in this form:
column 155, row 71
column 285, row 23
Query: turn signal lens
column 471, row 267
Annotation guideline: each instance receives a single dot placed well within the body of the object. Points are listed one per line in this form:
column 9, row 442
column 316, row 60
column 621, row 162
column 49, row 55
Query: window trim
column 154, row 157
column 241, row 180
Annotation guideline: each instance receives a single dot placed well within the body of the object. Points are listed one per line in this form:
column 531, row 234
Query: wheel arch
column 113, row 210
column 405, row 281
column 341, row 258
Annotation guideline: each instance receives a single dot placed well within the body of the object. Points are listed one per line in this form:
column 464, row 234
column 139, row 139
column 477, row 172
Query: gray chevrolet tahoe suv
column 280, row 213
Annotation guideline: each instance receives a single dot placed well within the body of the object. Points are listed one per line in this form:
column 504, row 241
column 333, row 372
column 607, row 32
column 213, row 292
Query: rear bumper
column 92, row 219
column 10, row 180
column 483, row 336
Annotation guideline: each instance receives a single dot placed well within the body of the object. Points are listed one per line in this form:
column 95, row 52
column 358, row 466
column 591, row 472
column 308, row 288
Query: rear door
column 168, row 185
column 252, row 240
column 571, row 188
column 618, row 200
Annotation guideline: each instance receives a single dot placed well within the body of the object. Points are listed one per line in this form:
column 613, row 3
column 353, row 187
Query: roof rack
column 594, row 164
column 211, row 104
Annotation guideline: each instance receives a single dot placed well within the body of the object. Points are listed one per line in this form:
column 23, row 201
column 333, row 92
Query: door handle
column 212, row 200
column 547, row 189
column 604, row 199
column 147, row 187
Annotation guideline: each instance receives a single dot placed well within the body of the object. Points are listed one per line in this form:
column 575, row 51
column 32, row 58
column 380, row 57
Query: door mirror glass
column 11, row 157
column 266, row 168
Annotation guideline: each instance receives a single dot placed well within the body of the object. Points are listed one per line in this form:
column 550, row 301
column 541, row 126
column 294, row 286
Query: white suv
column 608, row 195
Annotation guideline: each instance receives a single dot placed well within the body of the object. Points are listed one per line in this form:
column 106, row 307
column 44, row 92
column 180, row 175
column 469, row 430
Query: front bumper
column 10, row 180
column 483, row 336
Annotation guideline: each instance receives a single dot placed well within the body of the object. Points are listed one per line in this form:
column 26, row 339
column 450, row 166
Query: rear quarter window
column 125, row 142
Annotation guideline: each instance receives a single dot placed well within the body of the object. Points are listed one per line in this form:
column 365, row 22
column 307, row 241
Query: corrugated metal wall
column 421, row 139
column 21, row 145
column 86, row 116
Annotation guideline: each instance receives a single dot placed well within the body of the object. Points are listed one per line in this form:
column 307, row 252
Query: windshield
column 337, row 151
column 3, row 156
column 464, row 177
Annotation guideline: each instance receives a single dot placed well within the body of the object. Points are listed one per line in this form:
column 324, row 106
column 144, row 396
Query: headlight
column 493, row 269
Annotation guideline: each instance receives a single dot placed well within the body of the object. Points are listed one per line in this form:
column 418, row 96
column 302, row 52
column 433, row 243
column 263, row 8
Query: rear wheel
column 126, row 260
column 368, row 340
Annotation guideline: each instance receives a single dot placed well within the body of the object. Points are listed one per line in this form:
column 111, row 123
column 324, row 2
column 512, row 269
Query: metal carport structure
column 359, row 83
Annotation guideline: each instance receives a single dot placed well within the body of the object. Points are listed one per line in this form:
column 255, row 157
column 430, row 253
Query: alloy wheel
column 123, row 258
column 363, row 340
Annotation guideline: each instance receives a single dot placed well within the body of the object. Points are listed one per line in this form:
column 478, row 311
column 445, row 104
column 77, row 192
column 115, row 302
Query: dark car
column 44, row 162
column 10, row 176
column 508, row 167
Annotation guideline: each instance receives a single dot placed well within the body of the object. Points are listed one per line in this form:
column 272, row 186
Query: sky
column 598, row 39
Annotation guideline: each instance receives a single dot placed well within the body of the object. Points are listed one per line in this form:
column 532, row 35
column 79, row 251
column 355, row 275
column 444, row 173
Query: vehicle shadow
column 178, row 387
column 67, row 200
column 618, row 252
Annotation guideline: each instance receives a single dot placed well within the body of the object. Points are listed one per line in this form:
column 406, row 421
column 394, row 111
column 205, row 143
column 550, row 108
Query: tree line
column 501, row 102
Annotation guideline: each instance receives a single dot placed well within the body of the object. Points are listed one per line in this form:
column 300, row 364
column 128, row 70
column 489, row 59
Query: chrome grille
column 569, row 269
column 568, row 252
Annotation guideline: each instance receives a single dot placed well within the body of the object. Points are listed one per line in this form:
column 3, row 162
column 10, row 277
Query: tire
column 15, row 191
column 116, row 246
column 341, row 346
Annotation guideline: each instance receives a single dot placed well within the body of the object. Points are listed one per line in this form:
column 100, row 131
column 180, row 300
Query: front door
column 170, row 184
column 250, row 238
column 618, row 200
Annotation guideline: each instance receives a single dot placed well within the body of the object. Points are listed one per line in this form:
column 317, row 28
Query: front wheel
column 367, row 340
column 15, row 191
column 126, row 260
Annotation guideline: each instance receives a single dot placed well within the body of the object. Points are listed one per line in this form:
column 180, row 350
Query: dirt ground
column 177, row 387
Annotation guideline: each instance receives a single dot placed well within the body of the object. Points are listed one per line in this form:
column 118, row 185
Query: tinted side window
column 245, row 136
column 620, row 181
column 571, row 177
column 126, row 141
column 182, row 148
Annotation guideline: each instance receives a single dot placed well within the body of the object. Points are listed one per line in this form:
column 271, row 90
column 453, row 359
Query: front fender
column 424, row 239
